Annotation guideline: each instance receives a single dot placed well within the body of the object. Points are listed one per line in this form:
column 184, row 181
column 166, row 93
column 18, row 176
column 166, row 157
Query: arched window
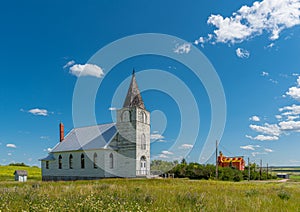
column 95, row 160
column 145, row 117
column 142, row 117
column 47, row 164
column 71, row 161
column 59, row 162
column 111, row 161
column 125, row 116
column 82, row 161
column 143, row 142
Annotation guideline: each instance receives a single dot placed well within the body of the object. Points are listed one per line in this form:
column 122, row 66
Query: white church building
column 120, row 149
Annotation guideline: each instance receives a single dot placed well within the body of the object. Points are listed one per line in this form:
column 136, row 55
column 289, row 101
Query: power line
column 226, row 149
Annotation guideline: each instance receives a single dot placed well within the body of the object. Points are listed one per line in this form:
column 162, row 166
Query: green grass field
column 149, row 195
column 144, row 195
column 7, row 172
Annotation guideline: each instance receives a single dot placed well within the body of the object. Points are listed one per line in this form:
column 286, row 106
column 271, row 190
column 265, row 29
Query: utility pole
column 260, row 169
column 217, row 160
column 248, row 169
column 267, row 171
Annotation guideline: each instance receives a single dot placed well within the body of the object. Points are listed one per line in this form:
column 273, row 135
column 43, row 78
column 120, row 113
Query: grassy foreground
column 149, row 195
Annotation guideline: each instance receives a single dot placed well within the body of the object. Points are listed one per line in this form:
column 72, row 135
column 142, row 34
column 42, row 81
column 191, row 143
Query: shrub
column 251, row 192
column 284, row 195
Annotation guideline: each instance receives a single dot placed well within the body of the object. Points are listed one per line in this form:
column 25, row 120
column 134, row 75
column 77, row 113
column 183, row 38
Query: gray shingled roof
column 49, row 157
column 133, row 97
column 87, row 138
column 21, row 172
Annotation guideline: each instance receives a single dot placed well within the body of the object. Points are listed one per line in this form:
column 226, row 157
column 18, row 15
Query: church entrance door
column 143, row 165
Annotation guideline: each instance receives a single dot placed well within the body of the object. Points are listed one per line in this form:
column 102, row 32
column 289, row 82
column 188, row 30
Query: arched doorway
column 143, row 163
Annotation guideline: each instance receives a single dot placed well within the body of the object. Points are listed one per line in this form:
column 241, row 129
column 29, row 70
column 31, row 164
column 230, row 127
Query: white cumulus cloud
column 163, row 156
column 165, row 152
column 183, row 48
column 68, row 64
column 254, row 118
column 242, row 53
column 267, row 16
column 248, row 147
column 290, row 125
column 258, row 153
column 263, row 138
column 269, row 129
column 48, row 150
column 156, row 136
column 38, row 112
column 269, row 150
column 294, row 91
column 86, row 70
column 186, row 146
column 11, row 146
column 293, row 110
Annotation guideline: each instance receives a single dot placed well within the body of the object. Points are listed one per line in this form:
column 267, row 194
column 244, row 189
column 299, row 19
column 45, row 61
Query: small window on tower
column 145, row 117
column 143, row 142
column 47, row 164
column 125, row 116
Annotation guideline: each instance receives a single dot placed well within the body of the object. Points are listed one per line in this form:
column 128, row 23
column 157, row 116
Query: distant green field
column 149, row 195
column 294, row 172
column 7, row 172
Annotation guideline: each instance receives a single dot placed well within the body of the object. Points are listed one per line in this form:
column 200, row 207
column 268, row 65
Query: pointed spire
column 134, row 98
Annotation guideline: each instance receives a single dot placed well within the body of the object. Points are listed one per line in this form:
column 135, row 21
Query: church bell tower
column 133, row 123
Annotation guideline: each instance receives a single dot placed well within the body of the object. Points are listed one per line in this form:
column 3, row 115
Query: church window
column 95, row 160
column 60, row 162
column 143, row 142
column 143, row 117
column 82, row 161
column 125, row 116
column 47, row 164
column 71, row 161
column 111, row 160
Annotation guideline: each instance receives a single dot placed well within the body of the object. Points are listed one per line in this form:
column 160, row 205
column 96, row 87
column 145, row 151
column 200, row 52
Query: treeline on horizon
column 208, row 171
column 19, row 164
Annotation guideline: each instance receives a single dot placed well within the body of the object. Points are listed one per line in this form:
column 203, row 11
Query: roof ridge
column 112, row 123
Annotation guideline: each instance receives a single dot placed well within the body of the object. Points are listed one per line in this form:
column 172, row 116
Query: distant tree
column 18, row 164
column 230, row 174
column 183, row 161
column 200, row 171
column 162, row 166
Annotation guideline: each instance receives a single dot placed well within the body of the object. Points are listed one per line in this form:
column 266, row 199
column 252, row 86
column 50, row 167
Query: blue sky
column 254, row 48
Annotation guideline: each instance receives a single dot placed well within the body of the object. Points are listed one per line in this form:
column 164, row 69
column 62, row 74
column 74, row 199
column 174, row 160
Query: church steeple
column 134, row 98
